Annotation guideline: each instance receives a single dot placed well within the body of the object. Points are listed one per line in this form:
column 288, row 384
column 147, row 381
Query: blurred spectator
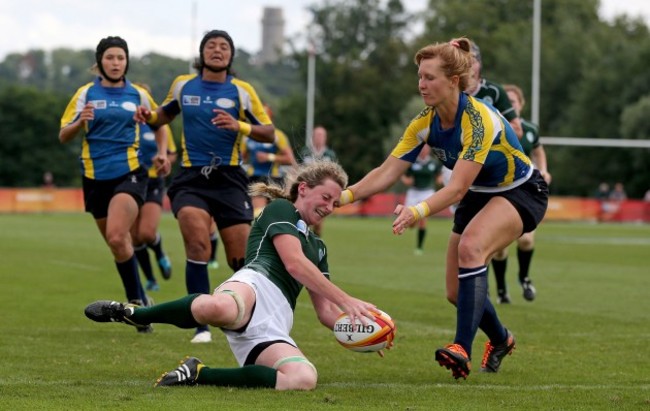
column 646, row 197
column 48, row 180
column 603, row 191
column 618, row 193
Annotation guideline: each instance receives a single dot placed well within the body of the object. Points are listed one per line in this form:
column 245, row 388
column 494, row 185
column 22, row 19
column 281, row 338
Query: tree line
column 594, row 83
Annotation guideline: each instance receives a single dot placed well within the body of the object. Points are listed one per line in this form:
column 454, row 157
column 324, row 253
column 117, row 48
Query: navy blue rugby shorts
column 530, row 199
column 98, row 193
column 222, row 192
column 155, row 191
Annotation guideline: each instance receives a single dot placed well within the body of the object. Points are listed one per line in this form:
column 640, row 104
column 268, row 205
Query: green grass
column 582, row 344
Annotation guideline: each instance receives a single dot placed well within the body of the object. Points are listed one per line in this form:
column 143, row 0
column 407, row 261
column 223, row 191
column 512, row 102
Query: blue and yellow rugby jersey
column 480, row 134
column 110, row 145
column 149, row 148
column 267, row 168
column 202, row 142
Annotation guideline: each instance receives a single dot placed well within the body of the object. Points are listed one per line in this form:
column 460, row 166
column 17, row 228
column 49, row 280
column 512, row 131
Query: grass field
column 583, row 344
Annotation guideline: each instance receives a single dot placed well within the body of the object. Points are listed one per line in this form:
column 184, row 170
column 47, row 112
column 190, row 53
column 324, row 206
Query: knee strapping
column 296, row 358
column 241, row 307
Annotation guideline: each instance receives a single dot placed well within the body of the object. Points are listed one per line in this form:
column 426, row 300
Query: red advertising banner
column 44, row 200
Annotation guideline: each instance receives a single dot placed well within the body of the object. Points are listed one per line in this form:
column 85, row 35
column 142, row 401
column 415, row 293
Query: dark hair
column 476, row 52
column 107, row 43
column 199, row 63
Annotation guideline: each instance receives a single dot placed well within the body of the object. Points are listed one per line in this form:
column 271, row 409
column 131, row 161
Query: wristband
column 245, row 128
column 153, row 117
column 346, row 197
column 420, row 210
column 271, row 157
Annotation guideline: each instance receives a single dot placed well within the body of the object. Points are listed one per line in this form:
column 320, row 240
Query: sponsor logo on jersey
column 191, row 100
column 302, row 227
column 98, row 104
column 149, row 136
column 225, row 103
column 129, row 106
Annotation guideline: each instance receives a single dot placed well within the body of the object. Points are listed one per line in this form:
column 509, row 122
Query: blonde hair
column 313, row 174
column 515, row 89
column 456, row 58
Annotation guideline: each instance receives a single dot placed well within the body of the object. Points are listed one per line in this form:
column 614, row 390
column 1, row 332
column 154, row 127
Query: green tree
column 29, row 126
column 364, row 74
column 590, row 72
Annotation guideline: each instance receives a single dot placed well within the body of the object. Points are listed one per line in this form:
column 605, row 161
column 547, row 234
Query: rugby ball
column 376, row 335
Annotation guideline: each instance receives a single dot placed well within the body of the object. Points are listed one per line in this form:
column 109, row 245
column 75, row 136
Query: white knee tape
column 241, row 307
column 296, row 358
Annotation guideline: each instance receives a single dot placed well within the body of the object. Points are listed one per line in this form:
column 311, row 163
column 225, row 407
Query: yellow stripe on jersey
column 251, row 104
column 76, row 104
column 175, row 89
column 89, row 169
column 476, row 131
column 416, row 133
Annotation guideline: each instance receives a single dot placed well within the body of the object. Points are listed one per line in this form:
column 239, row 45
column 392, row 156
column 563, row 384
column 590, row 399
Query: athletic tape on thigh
column 241, row 307
column 296, row 358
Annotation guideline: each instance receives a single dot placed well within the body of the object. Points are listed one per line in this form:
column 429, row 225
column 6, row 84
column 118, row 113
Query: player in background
column 145, row 231
column 526, row 243
column 114, row 181
column 255, row 307
column 218, row 110
column 492, row 93
column 264, row 161
column 319, row 150
column 501, row 195
column 421, row 178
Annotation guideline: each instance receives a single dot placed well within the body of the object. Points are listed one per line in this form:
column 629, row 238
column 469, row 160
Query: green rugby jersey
column 282, row 217
column 530, row 139
column 424, row 173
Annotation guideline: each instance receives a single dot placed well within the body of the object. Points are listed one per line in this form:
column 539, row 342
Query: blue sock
column 197, row 281
column 156, row 246
column 491, row 325
column 142, row 254
column 131, row 279
column 472, row 296
column 214, row 242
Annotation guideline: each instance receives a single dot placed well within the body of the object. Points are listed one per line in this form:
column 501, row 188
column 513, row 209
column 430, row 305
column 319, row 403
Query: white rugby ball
column 376, row 335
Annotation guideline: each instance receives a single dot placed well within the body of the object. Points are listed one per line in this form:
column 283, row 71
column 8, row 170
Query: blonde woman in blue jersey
column 218, row 110
column 501, row 195
column 255, row 306
column 114, row 181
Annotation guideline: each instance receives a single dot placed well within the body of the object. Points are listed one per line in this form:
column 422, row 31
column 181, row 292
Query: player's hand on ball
column 373, row 336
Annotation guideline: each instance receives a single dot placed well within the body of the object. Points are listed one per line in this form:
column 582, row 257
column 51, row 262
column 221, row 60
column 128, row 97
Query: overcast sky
column 167, row 26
